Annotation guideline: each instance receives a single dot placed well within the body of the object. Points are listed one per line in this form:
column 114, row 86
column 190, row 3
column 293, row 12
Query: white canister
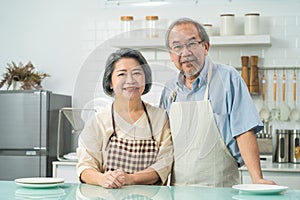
column 251, row 24
column 227, row 25
column 208, row 29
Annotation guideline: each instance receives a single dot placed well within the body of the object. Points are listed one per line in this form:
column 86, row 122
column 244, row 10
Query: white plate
column 260, row 188
column 39, row 182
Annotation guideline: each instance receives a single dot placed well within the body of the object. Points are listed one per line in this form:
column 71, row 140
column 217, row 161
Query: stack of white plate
column 72, row 156
column 39, row 182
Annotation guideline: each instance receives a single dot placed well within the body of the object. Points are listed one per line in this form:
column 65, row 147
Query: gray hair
column 118, row 55
column 202, row 32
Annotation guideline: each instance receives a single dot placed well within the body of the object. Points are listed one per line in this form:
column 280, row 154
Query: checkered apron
column 130, row 155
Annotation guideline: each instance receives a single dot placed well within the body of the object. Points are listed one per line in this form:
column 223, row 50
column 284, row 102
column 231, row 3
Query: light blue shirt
column 234, row 110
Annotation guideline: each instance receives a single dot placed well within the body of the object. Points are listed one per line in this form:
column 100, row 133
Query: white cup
column 251, row 24
column 227, row 25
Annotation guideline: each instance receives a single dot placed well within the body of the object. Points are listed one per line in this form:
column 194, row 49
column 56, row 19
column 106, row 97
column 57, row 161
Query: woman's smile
column 131, row 89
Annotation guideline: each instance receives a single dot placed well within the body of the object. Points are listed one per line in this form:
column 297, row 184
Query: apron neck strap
column 208, row 80
column 114, row 123
column 148, row 118
column 113, row 119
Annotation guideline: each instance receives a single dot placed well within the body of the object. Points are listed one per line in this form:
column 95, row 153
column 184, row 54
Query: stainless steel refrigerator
column 28, row 132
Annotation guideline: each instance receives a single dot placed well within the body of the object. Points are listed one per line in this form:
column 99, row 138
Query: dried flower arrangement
column 26, row 75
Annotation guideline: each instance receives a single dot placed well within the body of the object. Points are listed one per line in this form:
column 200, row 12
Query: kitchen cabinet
column 159, row 42
column 65, row 170
column 286, row 174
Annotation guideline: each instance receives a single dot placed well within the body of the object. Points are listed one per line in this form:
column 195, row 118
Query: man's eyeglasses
column 177, row 48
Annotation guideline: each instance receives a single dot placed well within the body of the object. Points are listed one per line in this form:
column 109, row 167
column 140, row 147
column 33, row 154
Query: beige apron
column 130, row 155
column 200, row 154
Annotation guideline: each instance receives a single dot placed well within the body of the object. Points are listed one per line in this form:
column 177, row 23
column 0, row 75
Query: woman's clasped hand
column 114, row 179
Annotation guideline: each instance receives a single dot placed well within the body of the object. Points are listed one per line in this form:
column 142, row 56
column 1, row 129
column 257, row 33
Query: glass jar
column 126, row 23
column 227, row 25
column 151, row 25
column 251, row 24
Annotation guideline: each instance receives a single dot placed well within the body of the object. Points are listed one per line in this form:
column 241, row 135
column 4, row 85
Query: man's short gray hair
column 202, row 32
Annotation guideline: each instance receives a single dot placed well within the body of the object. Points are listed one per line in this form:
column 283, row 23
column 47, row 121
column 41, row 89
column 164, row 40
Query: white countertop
column 265, row 166
column 277, row 167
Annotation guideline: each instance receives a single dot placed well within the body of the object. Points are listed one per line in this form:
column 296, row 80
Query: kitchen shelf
column 241, row 40
column 158, row 43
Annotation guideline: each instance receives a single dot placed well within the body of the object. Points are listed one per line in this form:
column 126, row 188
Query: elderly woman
column 129, row 142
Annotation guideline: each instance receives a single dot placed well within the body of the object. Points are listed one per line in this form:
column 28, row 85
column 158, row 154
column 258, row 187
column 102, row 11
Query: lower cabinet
column 65, row 170
column 285, row 178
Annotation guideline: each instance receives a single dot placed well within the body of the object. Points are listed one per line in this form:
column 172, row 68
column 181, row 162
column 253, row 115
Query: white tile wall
column 91, row 25
column 284, row 52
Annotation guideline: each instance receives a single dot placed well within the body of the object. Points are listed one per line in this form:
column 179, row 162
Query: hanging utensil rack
column 274, row 68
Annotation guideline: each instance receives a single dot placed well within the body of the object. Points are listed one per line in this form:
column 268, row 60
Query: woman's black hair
column 118, row 55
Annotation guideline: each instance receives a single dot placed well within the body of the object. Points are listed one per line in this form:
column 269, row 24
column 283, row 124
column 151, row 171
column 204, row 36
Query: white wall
column 49, row 34
column 67, row 38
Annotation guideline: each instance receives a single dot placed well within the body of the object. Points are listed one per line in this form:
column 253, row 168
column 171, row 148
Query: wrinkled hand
column 264, row 181
column 114, row 179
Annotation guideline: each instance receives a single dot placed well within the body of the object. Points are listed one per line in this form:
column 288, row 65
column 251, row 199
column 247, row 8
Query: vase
column 17, row 85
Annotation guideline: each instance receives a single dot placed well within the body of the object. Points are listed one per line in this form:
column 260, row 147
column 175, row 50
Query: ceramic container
column 227, row 24
column 251, row 24
column 208, row 29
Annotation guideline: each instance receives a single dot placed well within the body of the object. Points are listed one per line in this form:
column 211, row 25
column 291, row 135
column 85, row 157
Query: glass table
column 10, row 190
